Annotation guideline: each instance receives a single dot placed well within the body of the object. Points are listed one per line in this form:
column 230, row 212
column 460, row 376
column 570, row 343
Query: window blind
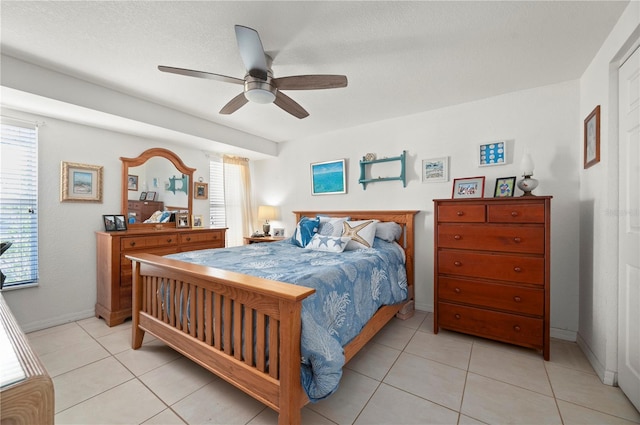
column 217, row 215
column 19, row 203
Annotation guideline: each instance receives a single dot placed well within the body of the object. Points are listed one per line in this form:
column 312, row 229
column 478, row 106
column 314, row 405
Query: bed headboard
column 403, row 218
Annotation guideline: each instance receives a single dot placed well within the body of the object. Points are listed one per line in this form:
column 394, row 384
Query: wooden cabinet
column 248, row 240
column 492, row 268
column 142, row 210
column 114, row 269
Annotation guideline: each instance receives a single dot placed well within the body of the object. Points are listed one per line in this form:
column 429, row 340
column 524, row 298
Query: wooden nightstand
column 250, row 239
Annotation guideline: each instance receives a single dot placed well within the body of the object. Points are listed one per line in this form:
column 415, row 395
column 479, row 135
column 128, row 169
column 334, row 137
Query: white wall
column 542, row 120
column 67, row 248
column 598, row 327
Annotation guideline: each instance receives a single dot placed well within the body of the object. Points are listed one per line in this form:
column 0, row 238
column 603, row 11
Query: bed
column 173, row 301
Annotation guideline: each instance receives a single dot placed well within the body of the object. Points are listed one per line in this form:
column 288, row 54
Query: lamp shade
column 267, row 212
column 526, row 165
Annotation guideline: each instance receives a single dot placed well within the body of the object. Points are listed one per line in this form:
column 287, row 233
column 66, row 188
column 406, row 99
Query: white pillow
column 331, row 226
column 389, row 231
column 328, row 243
column 361, row 233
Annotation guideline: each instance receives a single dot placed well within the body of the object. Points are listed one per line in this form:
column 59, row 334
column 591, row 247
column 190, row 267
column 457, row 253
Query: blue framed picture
column 494, row 153
column 328, row 178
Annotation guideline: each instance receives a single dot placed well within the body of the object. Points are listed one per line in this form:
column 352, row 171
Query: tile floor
column 406, row 375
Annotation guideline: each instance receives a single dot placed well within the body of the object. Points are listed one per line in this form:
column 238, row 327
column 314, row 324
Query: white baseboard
column 563, row 334
column 55, row 321
column 608, row 377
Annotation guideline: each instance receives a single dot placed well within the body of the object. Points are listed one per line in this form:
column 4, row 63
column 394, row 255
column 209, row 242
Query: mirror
column 160, row 172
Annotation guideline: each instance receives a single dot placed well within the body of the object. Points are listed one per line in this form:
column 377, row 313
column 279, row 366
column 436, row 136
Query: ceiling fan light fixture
column 260, row 96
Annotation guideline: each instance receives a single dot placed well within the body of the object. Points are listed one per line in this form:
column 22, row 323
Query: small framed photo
column 182, row 220
column 143, row 196
column 121, row 222
column 494, row 153
column 469, row 187
column 80, row 182
column 132, row 182
column 505, row 187
column 200, row 190
column 109, row 222
column 151, row 196
column 278, row 232
column 592, row 138
column 328, row 178
column 435, row 170
column 197, row 221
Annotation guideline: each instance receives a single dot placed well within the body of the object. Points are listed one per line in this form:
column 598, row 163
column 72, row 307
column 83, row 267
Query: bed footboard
column 244, row 329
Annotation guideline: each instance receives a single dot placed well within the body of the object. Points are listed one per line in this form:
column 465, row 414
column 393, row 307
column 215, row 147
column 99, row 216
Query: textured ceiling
column 400, row 58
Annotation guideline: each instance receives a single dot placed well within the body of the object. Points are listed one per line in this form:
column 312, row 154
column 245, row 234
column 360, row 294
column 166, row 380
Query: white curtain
column 237, row 191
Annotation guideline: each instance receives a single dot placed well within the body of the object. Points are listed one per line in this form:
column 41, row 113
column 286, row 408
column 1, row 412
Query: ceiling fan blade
column 310, row 82
column 234, row 104
column 200, row 74
column 289, row 105
column 252, row 52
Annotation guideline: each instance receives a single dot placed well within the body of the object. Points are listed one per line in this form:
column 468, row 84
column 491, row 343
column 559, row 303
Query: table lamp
column 528, row 183
column 266, row 213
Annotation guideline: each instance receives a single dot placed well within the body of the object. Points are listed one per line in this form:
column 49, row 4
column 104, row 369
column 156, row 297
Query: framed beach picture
column 328, row 178
column 435, row 170
column 469, row 187
column 80, row 182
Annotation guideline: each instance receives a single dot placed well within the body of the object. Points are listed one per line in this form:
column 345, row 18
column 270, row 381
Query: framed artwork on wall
column 592, row 138
column 132, row 182
column 80, row 182
column 200, row 190
column 328, row 178
column 468, row 187
column 494, row 153
column 435, row 170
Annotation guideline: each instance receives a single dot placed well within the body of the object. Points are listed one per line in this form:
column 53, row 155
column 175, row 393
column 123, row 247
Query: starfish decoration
column 340, row 241
column 353, row 232
column 324, row 240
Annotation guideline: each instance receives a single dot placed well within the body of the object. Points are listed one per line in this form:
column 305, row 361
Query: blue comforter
column 350, row 287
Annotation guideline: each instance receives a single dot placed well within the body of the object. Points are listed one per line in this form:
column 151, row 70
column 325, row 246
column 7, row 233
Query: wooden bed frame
column 216, row 343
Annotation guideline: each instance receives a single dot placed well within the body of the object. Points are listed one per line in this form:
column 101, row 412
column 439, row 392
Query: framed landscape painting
column 328, row 178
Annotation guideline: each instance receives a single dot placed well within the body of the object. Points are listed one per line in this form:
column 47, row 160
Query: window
column 216, row 193
column 19, row 204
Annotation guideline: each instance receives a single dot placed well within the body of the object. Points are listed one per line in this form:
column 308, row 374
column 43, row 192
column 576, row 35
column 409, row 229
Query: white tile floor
column 406, row 375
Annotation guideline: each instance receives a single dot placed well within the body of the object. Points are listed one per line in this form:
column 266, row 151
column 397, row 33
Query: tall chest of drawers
column 114, row 273
column 492, row 268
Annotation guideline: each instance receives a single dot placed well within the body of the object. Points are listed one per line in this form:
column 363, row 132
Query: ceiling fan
column 259, row 84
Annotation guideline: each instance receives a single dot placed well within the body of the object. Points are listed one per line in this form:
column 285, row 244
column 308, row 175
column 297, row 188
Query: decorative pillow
column 361, row 233
column 328, row 243
column 389, row 231
column 331, row 226
column 305, row 229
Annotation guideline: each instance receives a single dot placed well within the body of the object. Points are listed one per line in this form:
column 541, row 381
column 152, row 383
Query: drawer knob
column 514, row 213
column 457, row 237
column 460, row 213
column 132, row 243
column 517, row 269
column 188, row 239
column 169, row 240
column 517, row 299
column 516, row 328
column 517, row 240
column 457, row 316
column 457, row 290
column 457, row 263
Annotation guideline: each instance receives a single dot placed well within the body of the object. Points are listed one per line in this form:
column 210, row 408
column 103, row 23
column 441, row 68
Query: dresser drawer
column 512, row 268
column 505, row 327
column 139, row 242
column 528, row 239
column 125, row 264
column 516, row 213
column 512, row 298
column 215, row 237
column 461, row 213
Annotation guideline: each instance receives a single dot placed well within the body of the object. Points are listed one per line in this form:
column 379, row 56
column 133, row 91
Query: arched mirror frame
column 140, row 160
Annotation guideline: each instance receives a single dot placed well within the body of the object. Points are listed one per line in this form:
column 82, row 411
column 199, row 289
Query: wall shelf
column 363, row 171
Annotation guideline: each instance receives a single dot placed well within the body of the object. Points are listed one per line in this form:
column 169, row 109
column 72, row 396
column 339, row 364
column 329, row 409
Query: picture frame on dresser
column 197, row 221
column 505, row 186
column 121, row 222
column 468, row 187
column 182, row 220
column 109, row 222
column 151, row 196
column 143, row 196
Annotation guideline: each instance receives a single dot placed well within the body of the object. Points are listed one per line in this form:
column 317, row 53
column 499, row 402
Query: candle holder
column 527, row 184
